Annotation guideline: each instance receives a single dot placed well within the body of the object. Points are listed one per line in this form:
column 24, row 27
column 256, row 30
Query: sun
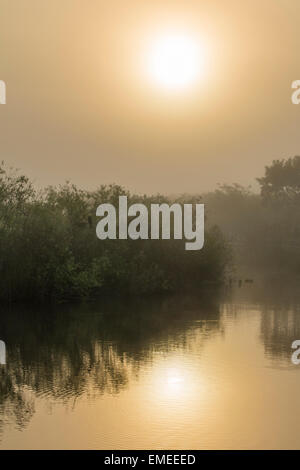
column 175, row 61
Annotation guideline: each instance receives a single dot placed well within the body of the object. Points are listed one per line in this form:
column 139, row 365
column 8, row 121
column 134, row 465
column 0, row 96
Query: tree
column 282, row 180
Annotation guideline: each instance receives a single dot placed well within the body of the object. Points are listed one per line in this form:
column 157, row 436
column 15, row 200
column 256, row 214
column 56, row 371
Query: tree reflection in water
column 67, row 351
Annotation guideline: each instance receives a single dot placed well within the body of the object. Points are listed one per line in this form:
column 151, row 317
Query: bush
column 49, row 247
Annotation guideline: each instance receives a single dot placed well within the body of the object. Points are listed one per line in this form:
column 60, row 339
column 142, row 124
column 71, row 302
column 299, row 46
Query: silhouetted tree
column 282, row 180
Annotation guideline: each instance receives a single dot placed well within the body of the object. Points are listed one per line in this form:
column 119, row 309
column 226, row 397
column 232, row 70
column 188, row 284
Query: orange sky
column 80, row 106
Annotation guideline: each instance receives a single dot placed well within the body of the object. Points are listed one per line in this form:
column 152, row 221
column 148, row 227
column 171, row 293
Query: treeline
column 49, row 248
column 262, row 228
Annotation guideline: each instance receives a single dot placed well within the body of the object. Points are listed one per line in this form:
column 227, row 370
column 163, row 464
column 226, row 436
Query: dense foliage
column 49, row 248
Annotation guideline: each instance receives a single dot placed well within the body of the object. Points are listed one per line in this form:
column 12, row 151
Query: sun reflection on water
column 175, row 382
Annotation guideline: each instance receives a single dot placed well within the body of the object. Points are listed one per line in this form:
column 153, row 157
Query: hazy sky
column 81, row 104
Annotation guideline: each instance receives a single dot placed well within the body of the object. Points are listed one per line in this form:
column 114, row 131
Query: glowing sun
column 175, row 61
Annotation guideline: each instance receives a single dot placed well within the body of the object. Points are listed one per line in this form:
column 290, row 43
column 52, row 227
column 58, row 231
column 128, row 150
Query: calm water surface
column 167, row 373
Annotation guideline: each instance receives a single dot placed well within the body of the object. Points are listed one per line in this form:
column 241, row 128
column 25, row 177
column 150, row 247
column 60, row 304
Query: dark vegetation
column 49, row 248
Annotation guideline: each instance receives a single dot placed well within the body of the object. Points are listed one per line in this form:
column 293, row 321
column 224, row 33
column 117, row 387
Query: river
column 212, row 371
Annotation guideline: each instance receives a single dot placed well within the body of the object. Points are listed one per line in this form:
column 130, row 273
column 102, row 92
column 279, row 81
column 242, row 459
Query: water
column 178, row 373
